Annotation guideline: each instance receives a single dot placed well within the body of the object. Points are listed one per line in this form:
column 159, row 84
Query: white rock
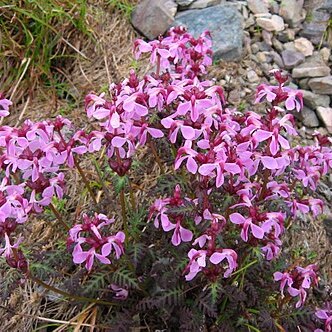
column 325, row 53
column 252, row 76
column 200, row 4
column 325, row 114
column 304, row 46
column 258, row 6
column 275, row 23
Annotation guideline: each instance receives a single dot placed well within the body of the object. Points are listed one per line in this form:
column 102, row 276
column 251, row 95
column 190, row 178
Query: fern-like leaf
column 125, row 278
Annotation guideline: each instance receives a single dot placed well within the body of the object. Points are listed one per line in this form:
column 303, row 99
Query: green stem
column 86, row 182
column 100, row 175
column 58, row 216
column 123, row 212
column 132, row 196
column 245, row 267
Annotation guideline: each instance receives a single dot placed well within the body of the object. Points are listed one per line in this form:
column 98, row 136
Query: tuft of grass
column 124, row 6
column 35, row 38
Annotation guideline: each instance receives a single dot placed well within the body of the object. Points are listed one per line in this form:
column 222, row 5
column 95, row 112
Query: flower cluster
column 90, row 243
column 297, row 282
column 31, row 157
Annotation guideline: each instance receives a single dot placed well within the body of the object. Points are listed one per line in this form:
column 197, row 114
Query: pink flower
column 196, row 264
column 246, row 223
column 228, row 254
column 4, row 106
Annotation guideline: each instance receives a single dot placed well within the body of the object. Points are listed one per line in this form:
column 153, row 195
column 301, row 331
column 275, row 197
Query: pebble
column 312, row 67
column 291, row 11
column 309, row 118
column 325, row 53
column 325, row 114
column 200, row 4
column 258, row 6
column 321, row 85
column 304, row 46
column 273, row 23
column 252, row 76
column 291, row 58
column 314, row 100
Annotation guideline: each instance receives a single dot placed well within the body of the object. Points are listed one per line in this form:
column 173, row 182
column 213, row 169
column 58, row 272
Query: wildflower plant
column 206, row 246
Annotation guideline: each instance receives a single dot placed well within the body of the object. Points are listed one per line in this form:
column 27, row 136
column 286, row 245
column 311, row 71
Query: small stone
column 304, row 46
column 267, row 37
column 254, row 48
column 274, row 7
column 274, row 23
column 309, row 118
column 312, row 67
column 291, row 11
column 277, row 45
column 304, row 83
column 258, row 6
column 200, row 4
column 153, row 17
column 249, row 22
column 252, row 76
column 325, row 53
column 218, row 20
column 291, row 58
column 322, row 85
column 184, row 3
column 261, row 57
column 264, row 47
column 327, row 5
column 290, row 46
column 314, row 100
column 325, row 114
column 277, row 59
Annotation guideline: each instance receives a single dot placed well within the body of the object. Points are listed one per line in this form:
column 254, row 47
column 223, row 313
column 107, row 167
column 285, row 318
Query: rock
column 304, row 46
column 277, row 45
column 327, row 5
column 249, row 22
column 261, row 57
column 200, row 4
column 224, row 23
column 267, row 37
column 252, row 76
column 153, row 17
column 254, row 48
column 274, row 7
column 277, row 59
column 184, row 3
column 304, row 84
column 309, row 118
column 322, row 85
column 312, row 67
column 273, row 23
column 290, row 46
column 325, row 114
column 314, row 26
column 258, row 6
column 291, row 11
column 314, row 100
column 286, row 35
column 291, row 58
column 325, row 53
column 264, row 47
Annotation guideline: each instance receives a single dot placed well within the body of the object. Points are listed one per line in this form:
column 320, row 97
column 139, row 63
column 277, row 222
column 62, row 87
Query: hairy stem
column 85, row 180
column 155, row 153
column 59, row 217
column 123, row 212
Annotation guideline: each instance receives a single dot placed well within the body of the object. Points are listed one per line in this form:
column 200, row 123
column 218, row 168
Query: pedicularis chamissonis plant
column 242, row 184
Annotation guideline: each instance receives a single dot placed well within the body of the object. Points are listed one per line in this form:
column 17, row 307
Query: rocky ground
column 259, row 35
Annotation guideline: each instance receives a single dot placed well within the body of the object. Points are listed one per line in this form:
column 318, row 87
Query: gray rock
column 277, row 45
column 314, row 26
column 225, row 24
column 153, row 17
column 258, row 6
column 290, row 46
column 312, row 67
column 325, row 114
column 325, row 53
column 267, row 37
column 291, row 58
column 322, row 85
column 200, row 4
column 314, row 100
column 309, row 118
column 304, row 83
column 254, row 48
column 327, row 5
column 277, row 59
column 286, row 35
column 252, row 76
column 273, row 23
column 291, row 11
